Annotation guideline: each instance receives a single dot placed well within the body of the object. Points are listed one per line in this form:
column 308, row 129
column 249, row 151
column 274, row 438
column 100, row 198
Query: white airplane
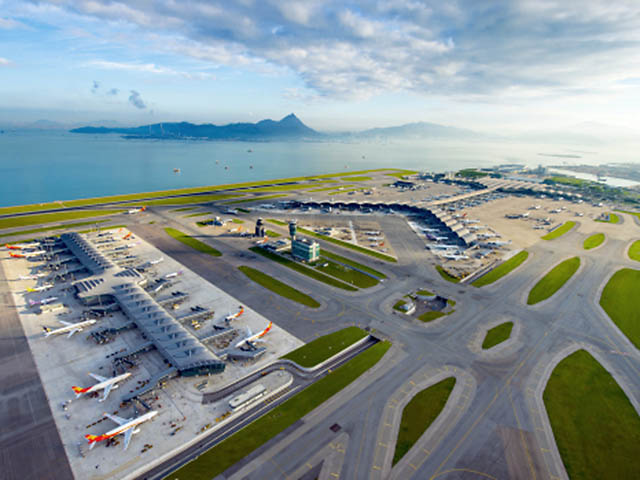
column 34, row 253
column 451, row 256
column 437, row 246
column 69, row 328
column 125, row 425
column 35, row 276
column 41, row 288
column 133, row 211
column 155, row 262
column 106, row 384
column 233, row 316
column 250, row 338
column 173, row 274
column 21, row 246
column 44, row 301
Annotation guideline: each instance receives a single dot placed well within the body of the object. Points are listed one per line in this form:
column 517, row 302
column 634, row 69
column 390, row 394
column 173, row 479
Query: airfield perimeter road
column 30, row 446
column 503, row 431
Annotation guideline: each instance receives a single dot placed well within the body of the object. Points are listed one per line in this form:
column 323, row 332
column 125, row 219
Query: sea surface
column 44, row 166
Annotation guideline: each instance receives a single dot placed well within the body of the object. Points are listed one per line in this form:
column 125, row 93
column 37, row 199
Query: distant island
column 289, row 128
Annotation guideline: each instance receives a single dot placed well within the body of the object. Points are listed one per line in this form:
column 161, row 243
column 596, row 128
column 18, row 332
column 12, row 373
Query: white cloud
column 4, row 62
column 9, row 23
column 147, row 68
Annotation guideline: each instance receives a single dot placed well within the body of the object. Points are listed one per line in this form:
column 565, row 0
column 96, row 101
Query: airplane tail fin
column 93, row 439
column 31, row 290
column 78, row 390
column 143, row 209
column 32, row 303
column 47, row 331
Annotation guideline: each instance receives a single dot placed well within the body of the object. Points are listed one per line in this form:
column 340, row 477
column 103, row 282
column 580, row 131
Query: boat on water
column 176, row 170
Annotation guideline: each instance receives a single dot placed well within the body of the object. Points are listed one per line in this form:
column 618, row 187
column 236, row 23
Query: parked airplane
column 69, row 328
column 41, row 288
column 127, row 236
column 21, row 246
column 133, row 211
column 250, row 338
column 173, row 274
column 35, row 276
column 438, row 246
column 233, row 316
column 451, row 256
column 44, row 301
column 105, row 384
column 126, row 426
column 35, row 253
column 155, row 262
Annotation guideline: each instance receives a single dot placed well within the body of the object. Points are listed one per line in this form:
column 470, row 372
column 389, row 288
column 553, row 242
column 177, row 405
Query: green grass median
column 346, row 274
column 238, row 446
column 278, row 287
column 430, row 316
column 323, row 348
column 595, row 426
column 420, row 413
column 257, row 199
column 558, row 232
column 613, row 218
column 192, row 242
column 446, row 275
column 593, row 241
column 621, row 304
column 501, row 270
column 272, row 234
column 44, row 218
column 497, row 335
column 553, row 281
column 634, row 251
column 298, row 267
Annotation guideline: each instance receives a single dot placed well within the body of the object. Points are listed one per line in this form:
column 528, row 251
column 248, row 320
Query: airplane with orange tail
column 35, row 253
column 21, row 247
column 106, row 384
column 136, row 210
column 126, row 426
column 250, row 339
column 127, row 236
column 233, row 316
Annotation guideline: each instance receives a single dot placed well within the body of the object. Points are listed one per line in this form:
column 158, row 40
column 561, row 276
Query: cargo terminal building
column 110, row 284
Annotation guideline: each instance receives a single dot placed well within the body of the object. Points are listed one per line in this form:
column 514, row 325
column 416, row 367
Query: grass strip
column 553, row 281
column 420, row 413
column 431, row 316
column 244, row 210
column 497, row 334
column 619, row 299
column 278, row 287
column 53, row 227
column 501, row 270
column 277, row 222
column 634, row 251
column 613, row 218
column 346, row 261
column 272, row 234
column 593, row 241
column 357, row 248
column 561, row 230
column 402, row 173
column 425, row 293
column 323, row 348
column 191, row 199
column 184, row 209
column 635, row 214
column 237, row 220
column 256, row 199
column 192, row 242
column 595, row 426
column 239, row 445
column 298, row 267
column 41, row 218
column 446, row 275
column 361, row 178
column 198, row 214
column 346, row 274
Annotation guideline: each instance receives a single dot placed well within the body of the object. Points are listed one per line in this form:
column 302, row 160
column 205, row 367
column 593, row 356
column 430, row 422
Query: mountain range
column 289, row 128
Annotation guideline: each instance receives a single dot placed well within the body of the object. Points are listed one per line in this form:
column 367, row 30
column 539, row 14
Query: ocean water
column 44, row 166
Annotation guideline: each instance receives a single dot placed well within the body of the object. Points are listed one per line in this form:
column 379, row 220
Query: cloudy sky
column 490, row 65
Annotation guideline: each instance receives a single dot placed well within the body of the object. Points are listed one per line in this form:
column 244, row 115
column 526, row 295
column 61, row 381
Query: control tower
column 259, row 228
column 293, row 229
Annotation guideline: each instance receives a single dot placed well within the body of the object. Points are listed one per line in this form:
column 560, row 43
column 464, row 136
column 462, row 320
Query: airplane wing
column 107, row 389
column 72, row 332
column 66, row 324
column 117, row 419
column 127, row 437
column 98, row 377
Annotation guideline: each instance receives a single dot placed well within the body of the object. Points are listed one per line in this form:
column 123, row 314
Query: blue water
column 38, row 166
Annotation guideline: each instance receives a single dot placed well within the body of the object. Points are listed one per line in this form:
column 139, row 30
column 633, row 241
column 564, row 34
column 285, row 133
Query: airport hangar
column 114, row 287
